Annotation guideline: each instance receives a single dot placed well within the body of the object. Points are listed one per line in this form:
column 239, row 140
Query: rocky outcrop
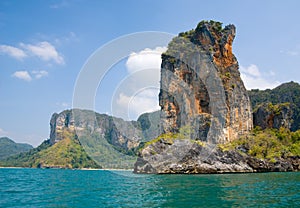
column 188, row 157
column 276, row 116
column 201, row 85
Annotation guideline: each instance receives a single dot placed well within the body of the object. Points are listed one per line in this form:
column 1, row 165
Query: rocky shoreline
column 164, row 158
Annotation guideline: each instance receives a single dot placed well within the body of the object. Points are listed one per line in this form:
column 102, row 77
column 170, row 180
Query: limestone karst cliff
column 203, row 102
column 201, row 85
column 120, row 133
column 207, row 115
column 112, row 142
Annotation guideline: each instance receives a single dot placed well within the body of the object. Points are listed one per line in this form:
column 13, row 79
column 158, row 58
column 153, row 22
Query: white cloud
column 29, row 76
column 144, row 101
column 138, row 93
column 145, row 59
column 251, row 70
column 24, row 75
column 44, row 50
column 39, row 74
column 253, row 79
column 13, row 51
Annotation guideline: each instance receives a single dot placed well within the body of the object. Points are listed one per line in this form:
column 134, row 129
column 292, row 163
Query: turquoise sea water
column 99, row 188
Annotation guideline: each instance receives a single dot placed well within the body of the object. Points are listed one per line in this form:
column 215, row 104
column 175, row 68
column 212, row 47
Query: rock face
column 118, row 132
column 276, row 116
column 201, row 85
column 110, row 141
column 186, row 157
column 123, row 135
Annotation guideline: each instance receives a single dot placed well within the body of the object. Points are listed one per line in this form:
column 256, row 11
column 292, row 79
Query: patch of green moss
column 199, row 142
column 184, row 133
column 167, row 138
column 228, row 75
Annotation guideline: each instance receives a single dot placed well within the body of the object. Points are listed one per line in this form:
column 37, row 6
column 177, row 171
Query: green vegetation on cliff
column 284, row 96
column 170, row 137
column 270, row 144
column 107, row 155
column 284, row 93
column 67, row 153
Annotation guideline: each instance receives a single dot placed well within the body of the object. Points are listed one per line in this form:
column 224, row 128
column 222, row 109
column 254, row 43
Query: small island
column 207, row 117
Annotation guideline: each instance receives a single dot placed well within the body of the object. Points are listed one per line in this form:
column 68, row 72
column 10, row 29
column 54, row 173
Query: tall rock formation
column 204, row 103
column 201, row 85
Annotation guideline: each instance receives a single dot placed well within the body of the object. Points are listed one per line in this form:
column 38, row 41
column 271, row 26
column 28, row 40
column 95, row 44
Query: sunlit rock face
column 83, row 123
column 201, row 85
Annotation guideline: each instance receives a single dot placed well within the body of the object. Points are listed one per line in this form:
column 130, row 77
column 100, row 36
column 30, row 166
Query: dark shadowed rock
column 268, row 115
column 279, row 107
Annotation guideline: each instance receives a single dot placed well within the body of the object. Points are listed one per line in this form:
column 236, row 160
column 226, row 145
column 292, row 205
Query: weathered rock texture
column 117, row 131
column 122, row 135
column 201, row 89
column 185, row 156
column 110, row 141
column 201, row 85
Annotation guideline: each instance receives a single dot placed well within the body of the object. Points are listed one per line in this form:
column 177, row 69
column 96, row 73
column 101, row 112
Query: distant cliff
column 86, row 139
column 119, row 133
column 122, row 135
column 279, row 107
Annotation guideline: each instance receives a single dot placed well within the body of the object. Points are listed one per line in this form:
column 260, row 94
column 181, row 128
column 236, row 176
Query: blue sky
column 44, row 45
